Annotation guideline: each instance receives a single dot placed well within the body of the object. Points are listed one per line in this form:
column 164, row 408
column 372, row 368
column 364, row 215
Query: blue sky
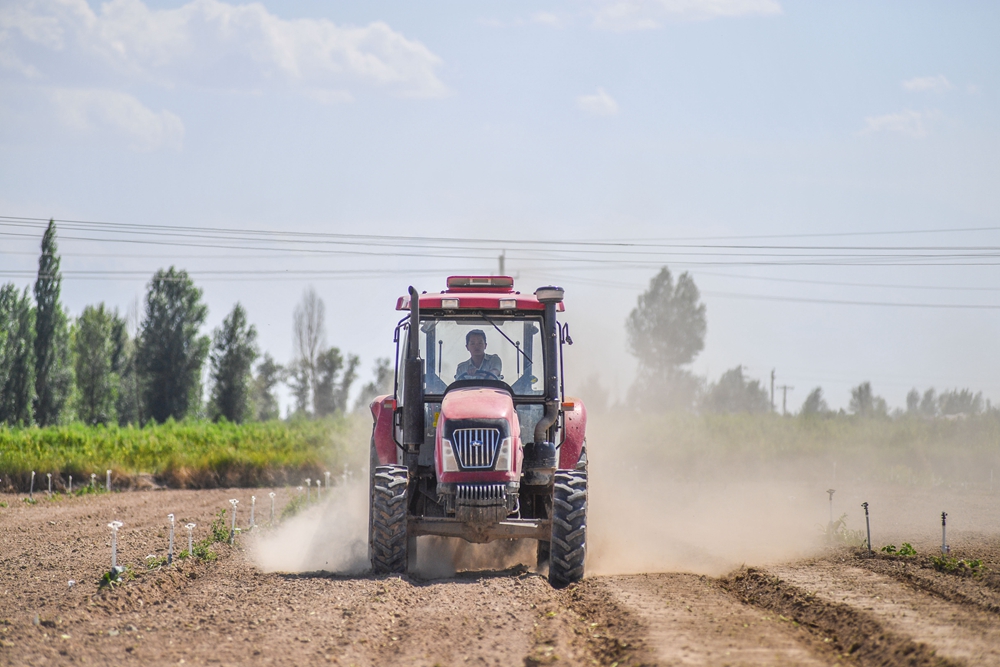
column 546, row 121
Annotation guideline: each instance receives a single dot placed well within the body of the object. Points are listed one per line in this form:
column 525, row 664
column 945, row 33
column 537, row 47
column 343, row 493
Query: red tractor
column 477, row 440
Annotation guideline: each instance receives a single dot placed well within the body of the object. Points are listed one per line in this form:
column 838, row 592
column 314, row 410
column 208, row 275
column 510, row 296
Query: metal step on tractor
column 478, row 440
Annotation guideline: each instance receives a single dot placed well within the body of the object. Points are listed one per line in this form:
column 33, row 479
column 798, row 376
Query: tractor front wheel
column 388, row 519
column 568, row 547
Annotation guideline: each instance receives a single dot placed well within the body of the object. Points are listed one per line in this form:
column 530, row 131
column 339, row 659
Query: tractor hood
column 478, row 403
column 478, row 407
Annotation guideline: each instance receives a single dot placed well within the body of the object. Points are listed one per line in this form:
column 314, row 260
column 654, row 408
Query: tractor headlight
column 504, row 458
column 448, row 461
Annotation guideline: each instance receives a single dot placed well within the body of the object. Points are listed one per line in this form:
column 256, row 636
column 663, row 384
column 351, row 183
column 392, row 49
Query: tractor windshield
column 483, row 347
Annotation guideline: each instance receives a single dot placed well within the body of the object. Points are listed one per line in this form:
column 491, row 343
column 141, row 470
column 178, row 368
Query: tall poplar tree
column 234, row 349
column 170, row 352
column 666, row 331
column 17, row 356
column 96, row 379
column 53, row 369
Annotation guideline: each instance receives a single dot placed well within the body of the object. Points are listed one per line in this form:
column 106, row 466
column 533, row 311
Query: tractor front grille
column 476, row 448
column 480, row 494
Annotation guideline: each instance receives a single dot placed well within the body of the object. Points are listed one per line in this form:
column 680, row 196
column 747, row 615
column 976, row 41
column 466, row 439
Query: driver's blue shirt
column 491, row 364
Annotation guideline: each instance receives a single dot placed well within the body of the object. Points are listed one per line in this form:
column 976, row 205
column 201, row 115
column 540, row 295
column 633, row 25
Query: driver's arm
column 493, row 364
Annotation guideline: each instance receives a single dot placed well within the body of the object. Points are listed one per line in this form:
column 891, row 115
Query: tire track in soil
column 955, row 632
column 855, row 634
column 691, row 620
column 479, row 618
column 981, row 590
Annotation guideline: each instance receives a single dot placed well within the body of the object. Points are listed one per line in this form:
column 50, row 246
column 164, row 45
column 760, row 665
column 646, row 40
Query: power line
column 845, row 302
column 770, row 259
column 940, row 230
column 285, row 236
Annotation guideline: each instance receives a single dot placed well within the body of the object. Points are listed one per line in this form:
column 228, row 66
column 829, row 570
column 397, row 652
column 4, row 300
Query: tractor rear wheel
column 388, row 519
column 569, row 527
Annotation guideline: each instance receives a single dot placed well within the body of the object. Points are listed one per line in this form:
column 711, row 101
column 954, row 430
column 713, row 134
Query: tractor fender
column 575, row 427
column 383, row 408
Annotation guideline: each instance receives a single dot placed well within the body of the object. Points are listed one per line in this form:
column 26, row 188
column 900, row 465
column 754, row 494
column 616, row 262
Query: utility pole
column 772, row 390
column 784, row 398
column 501, row 259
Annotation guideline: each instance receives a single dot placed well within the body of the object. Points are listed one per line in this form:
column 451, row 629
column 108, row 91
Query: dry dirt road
column 836, row 609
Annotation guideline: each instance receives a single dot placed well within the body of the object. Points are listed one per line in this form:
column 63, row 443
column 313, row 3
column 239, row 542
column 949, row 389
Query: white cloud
column 648, row 14
column 547, row 18
column 95, row 110
column 215, row 44
column 909, row 123
column 928, row 84
column 600, row 104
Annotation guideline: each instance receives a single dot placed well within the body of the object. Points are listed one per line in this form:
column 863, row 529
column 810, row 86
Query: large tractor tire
column 569, row 528
column 388, row 519
column 372, row 464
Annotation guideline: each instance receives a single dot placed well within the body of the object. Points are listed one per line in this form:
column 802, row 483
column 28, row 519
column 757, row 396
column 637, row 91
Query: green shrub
column 188, row 454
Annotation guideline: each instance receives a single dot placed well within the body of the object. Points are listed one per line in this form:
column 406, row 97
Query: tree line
column 102, row 368
column 666, row 331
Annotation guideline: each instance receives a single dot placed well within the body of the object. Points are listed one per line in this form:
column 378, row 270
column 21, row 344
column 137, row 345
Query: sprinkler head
column 72, row 582
column 232, row 531
column 170, row 549
column 93, row 478
column 190, row 527
column 272, row 494
column 327, row 475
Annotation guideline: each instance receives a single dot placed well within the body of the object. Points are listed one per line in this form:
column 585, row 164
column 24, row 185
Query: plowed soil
column 838, row 608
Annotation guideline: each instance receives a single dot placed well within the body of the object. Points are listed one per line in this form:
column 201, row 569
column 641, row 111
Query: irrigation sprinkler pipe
column 170, row 549
column 253, row 505
column 31, row 489
column 114, row 526
column 272, row 494
column 868, row 525
column 49, row 475
column 190, row 527
column 944, row 541
column 71, row 483
column 232, row 531
column 93, row 480
column 308, row 488
column 107, row 484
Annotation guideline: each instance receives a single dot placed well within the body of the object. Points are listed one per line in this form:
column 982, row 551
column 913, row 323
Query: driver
column 480, row 364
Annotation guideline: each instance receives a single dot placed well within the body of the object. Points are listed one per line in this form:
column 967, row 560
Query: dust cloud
column 441, row 557
column 659, row 504
column 330, row 536
column 685, row 495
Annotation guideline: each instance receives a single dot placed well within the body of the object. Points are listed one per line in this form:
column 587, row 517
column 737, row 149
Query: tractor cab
column 478, row 428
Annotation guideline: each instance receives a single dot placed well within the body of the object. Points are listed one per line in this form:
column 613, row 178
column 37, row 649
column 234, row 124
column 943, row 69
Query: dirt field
column 835, row 608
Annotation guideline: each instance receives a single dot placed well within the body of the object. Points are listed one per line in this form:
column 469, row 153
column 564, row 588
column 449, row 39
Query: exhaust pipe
column 413, row 389
column 540, row 458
